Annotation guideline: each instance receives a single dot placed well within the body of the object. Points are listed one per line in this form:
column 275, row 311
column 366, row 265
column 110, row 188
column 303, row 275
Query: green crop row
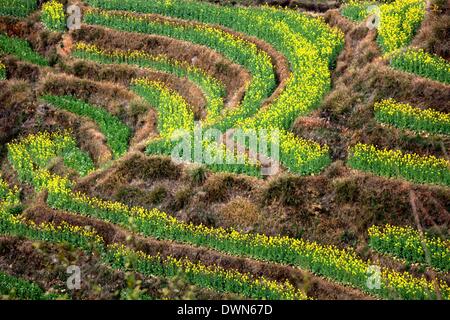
column 213, row 155
column 423, row 64
column 16, row 288
column 53, row 16
column 300, row 156
column 398, row 20
column 356, row 10
column 214, row 277
column 10, row 196
column 212, row 89
column 119, row 257
column 266, row 119
column 174, row 113
column 408, row 244
column 17, row 8
column 21, row 49
column 339, row 265
column 175, row 119
column 308, row 44
column 40, row 148
column 116, row 132
column 394, row 163
column 236, row 49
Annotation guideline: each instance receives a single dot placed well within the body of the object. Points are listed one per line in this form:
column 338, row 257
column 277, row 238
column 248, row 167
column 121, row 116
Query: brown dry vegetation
column 87, row 133
column 233, row 76
column 46, row 265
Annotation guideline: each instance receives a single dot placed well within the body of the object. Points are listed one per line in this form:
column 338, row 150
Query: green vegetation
column 423, row 64
column 21, row 49
column 17, row 8
column 408, row 244
column 117, row 133
column 394, row 163
column 405, row 116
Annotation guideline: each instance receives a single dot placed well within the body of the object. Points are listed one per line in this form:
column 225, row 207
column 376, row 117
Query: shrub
column 157, row 195
column 198, row 174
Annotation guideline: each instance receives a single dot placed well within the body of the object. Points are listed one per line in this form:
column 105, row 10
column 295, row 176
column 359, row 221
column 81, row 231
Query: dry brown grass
column 240, row 213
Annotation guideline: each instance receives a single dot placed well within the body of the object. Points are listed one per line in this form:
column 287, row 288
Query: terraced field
column 193, row 149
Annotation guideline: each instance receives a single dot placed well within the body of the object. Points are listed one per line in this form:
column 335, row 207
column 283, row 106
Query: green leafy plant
column 394, row 163
column 16, row 288
column 421, row 63
column 17, row 8
column 21, row 49
column 2, row 71
column 408, row 244
column 405, row 116
column 117, row 133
